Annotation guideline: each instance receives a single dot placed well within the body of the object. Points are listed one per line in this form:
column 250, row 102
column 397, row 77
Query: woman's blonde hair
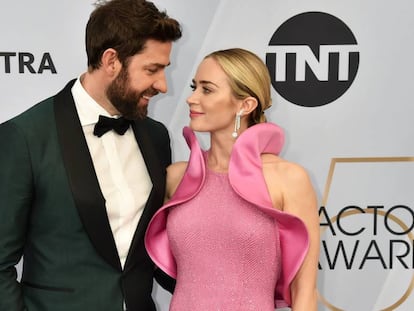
column 248, row 76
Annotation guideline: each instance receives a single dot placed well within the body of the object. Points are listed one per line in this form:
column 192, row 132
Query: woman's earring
column 237, row 124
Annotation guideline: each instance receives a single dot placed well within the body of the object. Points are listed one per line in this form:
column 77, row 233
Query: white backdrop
column 358, row 148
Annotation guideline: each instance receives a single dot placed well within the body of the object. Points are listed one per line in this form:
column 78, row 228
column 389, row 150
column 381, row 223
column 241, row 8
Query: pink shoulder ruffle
column 246, row 178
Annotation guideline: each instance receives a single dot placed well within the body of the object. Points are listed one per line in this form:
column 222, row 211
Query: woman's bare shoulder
column 286, row 181
column 283, row 168
column 177, row 167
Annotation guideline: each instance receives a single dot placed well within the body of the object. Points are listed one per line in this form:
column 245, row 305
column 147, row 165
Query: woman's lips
column 194, row 114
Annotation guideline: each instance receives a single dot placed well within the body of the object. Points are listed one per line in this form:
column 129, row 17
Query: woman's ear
column 249, row 104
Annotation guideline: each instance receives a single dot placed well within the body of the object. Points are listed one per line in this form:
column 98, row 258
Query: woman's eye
column 206, row 90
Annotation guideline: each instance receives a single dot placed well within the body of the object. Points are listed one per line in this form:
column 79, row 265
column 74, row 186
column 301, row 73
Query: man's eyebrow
column 159, row 65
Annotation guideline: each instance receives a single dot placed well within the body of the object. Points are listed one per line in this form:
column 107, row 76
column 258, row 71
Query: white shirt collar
column 88, row 109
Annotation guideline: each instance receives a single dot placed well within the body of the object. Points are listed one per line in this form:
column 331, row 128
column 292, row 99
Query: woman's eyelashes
column 204, row 89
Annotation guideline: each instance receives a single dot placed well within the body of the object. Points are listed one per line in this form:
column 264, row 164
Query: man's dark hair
column 126, row 25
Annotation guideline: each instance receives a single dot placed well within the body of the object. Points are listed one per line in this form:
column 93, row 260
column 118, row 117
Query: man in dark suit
column 77, row 194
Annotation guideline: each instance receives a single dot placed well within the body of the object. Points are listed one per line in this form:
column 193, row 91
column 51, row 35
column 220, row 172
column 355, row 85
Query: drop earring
column 237, row 124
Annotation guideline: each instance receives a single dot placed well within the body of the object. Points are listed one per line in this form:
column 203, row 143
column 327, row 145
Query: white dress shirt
column 120, row 168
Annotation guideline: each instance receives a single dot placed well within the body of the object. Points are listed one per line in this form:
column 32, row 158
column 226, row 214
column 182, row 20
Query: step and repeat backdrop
column 342, row 77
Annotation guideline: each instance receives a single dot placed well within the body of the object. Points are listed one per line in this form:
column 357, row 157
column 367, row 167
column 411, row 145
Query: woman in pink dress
column 240, row 228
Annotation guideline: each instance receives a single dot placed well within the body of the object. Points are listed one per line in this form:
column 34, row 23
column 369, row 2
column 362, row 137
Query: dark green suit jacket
column 52, row 213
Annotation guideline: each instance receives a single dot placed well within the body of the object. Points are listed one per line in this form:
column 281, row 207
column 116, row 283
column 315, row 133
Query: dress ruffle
column 246, row 178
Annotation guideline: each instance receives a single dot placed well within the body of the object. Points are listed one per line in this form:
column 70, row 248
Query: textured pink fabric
column 227, row 251
column 246, row 179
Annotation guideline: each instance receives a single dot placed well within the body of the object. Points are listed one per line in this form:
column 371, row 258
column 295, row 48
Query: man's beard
column 124, row 99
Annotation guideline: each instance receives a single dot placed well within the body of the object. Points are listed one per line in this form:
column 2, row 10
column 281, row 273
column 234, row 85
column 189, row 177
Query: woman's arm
column 299, row 199
column 291, row 191
column 175, row 173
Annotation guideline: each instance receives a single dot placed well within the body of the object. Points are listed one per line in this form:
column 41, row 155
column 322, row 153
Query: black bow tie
column 106, row 124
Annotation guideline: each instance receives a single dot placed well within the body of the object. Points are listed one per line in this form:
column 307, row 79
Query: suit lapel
column 155, row 199
column 82, row 177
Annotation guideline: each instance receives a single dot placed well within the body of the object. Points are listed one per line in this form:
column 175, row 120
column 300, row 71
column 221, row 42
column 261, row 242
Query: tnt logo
column 313, row 59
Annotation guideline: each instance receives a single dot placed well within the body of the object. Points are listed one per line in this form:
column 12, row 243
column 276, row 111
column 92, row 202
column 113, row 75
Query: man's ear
column 110, row 62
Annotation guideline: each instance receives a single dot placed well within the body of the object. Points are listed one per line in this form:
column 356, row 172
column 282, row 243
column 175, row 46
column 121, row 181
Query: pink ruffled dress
column 220, row 237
